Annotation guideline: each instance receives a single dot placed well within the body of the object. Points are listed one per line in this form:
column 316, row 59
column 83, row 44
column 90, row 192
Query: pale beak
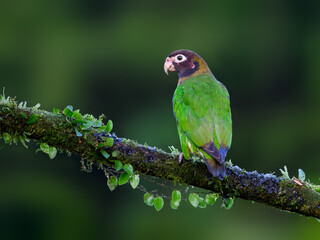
column 168, row 65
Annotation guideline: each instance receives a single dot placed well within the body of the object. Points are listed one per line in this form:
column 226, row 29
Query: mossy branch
column 56, row 130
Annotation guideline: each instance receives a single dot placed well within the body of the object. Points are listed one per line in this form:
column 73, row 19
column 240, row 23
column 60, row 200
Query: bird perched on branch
column 201, row 106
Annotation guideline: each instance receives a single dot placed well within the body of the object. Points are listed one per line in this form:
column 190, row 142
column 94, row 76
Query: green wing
column 202, row 111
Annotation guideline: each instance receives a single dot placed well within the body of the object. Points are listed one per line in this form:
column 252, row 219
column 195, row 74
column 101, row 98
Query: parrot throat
column 188, row 72
column 192, row 72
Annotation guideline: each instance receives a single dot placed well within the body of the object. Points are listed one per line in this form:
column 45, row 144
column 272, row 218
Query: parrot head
column 185, row 63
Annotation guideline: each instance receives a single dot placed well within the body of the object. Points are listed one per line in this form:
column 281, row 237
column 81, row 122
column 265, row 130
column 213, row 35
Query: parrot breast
column 202, row 110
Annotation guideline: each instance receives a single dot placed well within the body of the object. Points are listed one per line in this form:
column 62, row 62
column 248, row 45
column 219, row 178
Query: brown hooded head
column 186, row 63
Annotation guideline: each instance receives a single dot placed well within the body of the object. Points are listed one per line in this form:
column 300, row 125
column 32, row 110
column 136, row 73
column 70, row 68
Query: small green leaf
column 124, row 177
column 176, row 196
column 79, row 134
column 68, row 111
column 52, row 152
column 148, row 199
column 105, row 154
column 202, row 203
column 77, row 115
column 175, row 199
column 128, row 168
column 302, row 175
column 56, row 110
column 228, row 203
column 112, row 183
column 173, row 206
column 117, row 165
column 7, row 137
column 158, row 203
column 134, row 181
column 194, row 199
column 100, row 145
column 23, row 141
column 110, row 142
column 115, row 153
column 32, row 119
column 211, row 198
column 145, row 197
column 44, row 147
column 23, row 115
column 109, row 126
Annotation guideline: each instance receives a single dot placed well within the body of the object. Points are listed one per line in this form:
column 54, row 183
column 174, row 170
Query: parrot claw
column 180, row 157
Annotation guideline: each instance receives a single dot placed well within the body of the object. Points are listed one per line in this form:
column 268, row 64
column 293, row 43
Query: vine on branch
column 124, row 160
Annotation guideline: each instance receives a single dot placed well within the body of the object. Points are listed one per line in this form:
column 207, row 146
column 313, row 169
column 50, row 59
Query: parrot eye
column 180, row 58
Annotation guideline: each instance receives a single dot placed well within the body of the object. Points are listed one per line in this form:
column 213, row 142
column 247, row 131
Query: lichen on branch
column 67, row 130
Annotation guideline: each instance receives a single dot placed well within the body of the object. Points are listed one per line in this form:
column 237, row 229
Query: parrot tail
column 215, row 168
column 215, row 165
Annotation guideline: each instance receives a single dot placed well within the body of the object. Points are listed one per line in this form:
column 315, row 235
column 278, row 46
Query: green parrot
column 201, row 105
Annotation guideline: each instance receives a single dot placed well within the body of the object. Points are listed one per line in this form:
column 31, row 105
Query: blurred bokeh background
column 107, row 57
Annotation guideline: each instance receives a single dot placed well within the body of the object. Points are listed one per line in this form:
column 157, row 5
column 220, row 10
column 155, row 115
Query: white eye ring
column 180, row 58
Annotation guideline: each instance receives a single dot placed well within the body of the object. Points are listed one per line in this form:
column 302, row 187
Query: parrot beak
column 168, row 65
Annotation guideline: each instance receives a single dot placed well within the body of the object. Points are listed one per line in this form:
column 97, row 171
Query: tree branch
column 56, row 130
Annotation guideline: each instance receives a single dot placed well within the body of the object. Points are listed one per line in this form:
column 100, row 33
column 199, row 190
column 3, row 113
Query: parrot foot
column 180, row 157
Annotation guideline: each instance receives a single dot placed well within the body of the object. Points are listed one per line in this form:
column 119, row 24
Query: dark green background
column 107, row 57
